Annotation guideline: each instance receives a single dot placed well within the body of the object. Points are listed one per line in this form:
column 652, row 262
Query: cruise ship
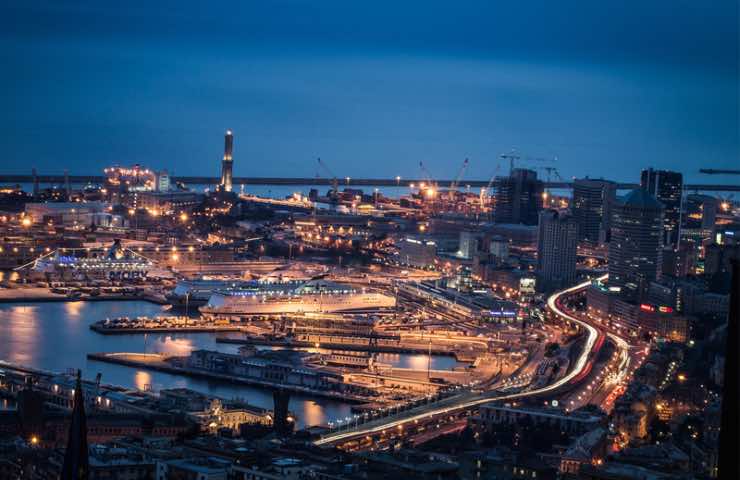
column 311, row 296
column 116, row 264
column 195, row 293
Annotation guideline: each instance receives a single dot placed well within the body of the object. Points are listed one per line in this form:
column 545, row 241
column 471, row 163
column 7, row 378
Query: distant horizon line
column 342, row 182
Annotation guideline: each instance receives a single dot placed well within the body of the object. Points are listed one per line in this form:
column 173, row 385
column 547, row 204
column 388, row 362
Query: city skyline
column 301, row 240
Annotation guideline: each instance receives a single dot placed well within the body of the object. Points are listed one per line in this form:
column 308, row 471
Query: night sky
column 608, row 87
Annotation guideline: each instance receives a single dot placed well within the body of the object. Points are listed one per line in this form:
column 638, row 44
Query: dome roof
column 641, row 198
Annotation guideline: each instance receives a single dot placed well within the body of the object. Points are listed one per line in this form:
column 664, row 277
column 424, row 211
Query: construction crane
column 510, row 157
column 334, row 192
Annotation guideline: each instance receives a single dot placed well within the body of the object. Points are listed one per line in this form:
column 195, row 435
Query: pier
column 43, row 294
column 162, row 324
column 162, row 363
column 353, row 343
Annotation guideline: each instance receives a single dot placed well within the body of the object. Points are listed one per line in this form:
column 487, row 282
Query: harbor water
column 56, row 336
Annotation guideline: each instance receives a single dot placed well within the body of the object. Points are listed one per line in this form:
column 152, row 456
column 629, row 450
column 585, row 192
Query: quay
column 367, row 346
column 171, row 329
column 159, row 362
column 42, row 294
column 161, row 324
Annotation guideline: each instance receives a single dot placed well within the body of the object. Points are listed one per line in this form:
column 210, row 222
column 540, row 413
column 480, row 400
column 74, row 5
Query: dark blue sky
column 608, row 87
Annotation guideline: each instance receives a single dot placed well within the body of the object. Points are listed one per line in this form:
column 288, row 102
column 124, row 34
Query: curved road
column 469, row 400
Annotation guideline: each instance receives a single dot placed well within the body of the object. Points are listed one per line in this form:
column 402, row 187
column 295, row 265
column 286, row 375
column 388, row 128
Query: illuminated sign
column 664, row 309
column 647, row 307
column 127, row 274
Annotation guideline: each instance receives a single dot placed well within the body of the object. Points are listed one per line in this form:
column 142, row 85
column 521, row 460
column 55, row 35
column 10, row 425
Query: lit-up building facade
column 636, row 245
column 666, row 187
column 227, row 163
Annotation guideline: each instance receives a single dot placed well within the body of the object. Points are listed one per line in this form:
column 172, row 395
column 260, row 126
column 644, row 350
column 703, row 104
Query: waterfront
column 56, row 336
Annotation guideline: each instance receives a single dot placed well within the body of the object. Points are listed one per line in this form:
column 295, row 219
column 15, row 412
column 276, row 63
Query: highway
column 470, row 399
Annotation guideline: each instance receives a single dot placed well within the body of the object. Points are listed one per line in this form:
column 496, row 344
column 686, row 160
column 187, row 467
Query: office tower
column 518, row 198
column 667, row 188
column 636, row 245
column 700, row 211
column 557, row 238
column 228, row 162
column 470, row 243
column 592, row 201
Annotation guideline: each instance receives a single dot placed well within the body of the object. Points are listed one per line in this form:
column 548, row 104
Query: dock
column 97, row 328
column 41, row 294
column 358, row 347
column 159, row 362
column 162, row 324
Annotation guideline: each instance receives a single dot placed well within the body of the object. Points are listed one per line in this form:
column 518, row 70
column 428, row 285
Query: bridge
column 350, row 182
column 469, row 399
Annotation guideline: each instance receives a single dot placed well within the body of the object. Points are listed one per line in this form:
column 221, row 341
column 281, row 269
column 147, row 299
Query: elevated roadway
column 470, row 399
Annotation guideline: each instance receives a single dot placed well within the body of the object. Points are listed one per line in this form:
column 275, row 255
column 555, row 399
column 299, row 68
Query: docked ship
column 311, row 296
column 195, row 293
column 116, row 264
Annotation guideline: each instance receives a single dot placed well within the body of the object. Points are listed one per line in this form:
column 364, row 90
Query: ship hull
column 258, row 305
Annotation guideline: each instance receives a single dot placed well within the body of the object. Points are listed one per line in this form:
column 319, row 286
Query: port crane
column 334, row 192
column 456, row 183
column 451, row 193
column 426, row 176
column 487, row 188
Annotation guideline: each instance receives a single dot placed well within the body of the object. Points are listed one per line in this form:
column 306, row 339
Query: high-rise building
column 700, row 211
column 557, row 239
column 228, row 162
column 636, row 245
column 470, row 243
column 518, row 198
column 667, row 188
column 592, row 201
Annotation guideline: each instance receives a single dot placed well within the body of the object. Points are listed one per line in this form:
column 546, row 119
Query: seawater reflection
column 56, row 336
